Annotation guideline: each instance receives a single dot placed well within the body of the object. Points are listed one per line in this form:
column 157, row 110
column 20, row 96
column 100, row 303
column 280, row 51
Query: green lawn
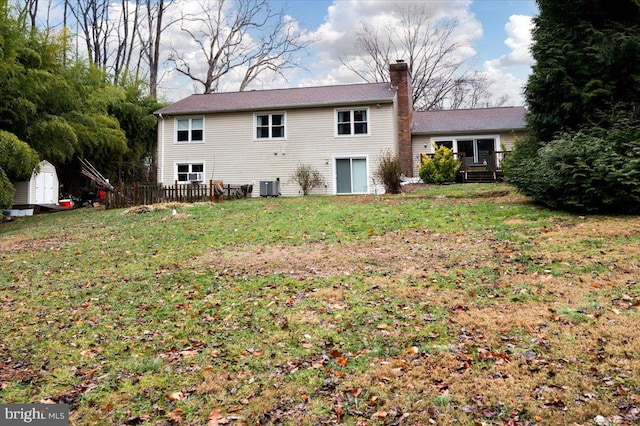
column 449, row 304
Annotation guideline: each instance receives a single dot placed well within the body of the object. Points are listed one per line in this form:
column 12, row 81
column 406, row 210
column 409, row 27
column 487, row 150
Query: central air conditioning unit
column 269, row 188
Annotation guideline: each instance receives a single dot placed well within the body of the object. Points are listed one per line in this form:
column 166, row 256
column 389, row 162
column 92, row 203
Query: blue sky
column 494, row 14
column 498, row 33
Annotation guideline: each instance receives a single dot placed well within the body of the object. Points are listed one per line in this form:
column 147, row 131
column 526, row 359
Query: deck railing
column 494, row 163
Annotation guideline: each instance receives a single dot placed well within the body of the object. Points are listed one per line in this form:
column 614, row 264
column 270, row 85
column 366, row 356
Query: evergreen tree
column 586, row 81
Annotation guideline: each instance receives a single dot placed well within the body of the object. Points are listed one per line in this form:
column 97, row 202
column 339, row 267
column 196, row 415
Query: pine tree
column 584, row 88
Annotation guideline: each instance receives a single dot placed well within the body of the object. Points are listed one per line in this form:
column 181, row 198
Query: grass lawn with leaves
column 445, row 304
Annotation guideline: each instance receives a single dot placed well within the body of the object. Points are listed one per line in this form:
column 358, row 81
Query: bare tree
column 127, row 23
column 438, row 67
column 150, row 39
column 108, row 29
column 92, row 16
column 472, row 91
column 244, row 36
column 31, row 7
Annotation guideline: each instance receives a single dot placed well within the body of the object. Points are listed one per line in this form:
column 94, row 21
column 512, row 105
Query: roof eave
column 276, row 108
column 465, row 132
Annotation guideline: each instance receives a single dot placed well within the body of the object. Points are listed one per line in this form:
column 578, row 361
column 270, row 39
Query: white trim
column 190, row 118
column 435, row 139
column 190, row 163
column 270, row 114
column 335, row 172
column 161, row 174
column 351, row 110
column 474, row 138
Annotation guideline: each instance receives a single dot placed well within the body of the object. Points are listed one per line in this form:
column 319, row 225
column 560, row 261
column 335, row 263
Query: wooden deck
column 488, row 172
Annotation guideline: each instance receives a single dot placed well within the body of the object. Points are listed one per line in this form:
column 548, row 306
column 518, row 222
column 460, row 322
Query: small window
column 270, row 126
column 352, row 122
column 190, row 130
column 188, row 172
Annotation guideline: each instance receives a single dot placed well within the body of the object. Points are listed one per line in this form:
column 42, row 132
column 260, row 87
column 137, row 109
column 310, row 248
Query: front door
column 351, row 175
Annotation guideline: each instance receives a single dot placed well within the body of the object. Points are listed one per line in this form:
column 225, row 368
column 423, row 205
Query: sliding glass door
column 351, row 176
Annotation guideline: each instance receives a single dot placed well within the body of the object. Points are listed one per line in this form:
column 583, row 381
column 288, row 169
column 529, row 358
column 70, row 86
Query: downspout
column 161, row 148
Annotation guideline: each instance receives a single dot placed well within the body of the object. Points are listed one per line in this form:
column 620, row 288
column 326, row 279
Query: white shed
column 41, row 189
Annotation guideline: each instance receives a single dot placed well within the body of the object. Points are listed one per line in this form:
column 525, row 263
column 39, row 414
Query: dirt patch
column 15, row 243
column 418, row 253
column 12, row 370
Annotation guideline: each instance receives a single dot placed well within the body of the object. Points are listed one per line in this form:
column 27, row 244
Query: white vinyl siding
column 232, row 155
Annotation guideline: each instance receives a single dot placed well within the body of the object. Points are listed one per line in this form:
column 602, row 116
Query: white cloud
column 519, row 40
column 508, row 73
column 336, row 36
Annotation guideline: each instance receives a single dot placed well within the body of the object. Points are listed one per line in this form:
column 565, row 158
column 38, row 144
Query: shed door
column 44, row 188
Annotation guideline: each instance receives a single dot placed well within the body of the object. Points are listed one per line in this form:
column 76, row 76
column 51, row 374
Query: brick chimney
column 401, row 78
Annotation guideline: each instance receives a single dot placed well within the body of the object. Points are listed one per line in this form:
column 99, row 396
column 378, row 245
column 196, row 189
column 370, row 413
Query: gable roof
column 469, row 120
column 302, row 97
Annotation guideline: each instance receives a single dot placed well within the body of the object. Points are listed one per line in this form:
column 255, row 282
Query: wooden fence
column 153, row 193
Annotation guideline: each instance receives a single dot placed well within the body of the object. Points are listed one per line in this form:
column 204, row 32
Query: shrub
column 592, row 170
column 389, row 172
column 308, row 177
column 442, row 168
column 17, row 158
column 6, row 191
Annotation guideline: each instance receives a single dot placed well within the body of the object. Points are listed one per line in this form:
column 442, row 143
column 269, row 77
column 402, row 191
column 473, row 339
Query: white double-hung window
column 352, row 122
column 270, row 126
column 189, row 130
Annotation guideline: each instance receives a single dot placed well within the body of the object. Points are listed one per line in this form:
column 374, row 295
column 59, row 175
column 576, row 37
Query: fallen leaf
column 175, row 396
column 215, row 418
column 413, row 350
column 176, row 416
column 342, row 361
column 379, row 415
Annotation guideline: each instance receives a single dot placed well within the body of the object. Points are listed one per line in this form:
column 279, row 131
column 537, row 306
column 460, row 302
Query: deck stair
column 480, row 177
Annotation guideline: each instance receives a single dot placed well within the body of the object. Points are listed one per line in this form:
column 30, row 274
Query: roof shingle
column 303, row 97
column 469, row 120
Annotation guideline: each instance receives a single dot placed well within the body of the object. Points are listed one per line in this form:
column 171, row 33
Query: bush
column 593, row 170
column 442, row 168
column 17, row 158
column 308, row 177
column 6, row 191
column 389, row 172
